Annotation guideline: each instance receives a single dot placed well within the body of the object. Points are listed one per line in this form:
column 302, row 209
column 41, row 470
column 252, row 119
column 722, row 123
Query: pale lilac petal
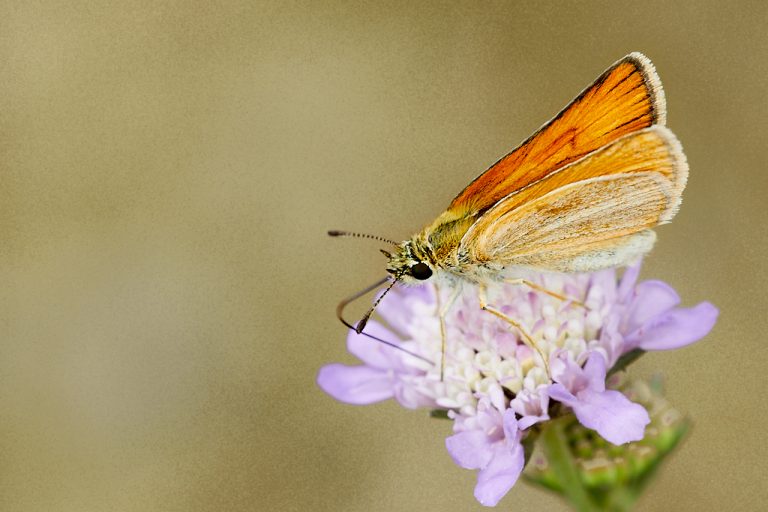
column 397, row 308
column 652, row 298
column 498, row 477
column 558, row 365
column 370, row 351
column 470, row 449
column 559, row 393
column 567, row 372
column 606, row 281
column 528, row 421
column 628, row 280
column 496, row 396
column 531, row 406
column 511, row 431
column 411, row 398
column 611, row 340
column 395, row 311
column 595, row 372
column 357, row 385
column 677, row 328
column 612, row 415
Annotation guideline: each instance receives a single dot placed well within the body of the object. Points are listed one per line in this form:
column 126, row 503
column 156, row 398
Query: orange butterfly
column 579, row 195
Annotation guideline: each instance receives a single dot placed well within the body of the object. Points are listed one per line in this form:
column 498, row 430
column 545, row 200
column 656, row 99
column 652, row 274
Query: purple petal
column 532, row 407
column 527, row 421
column 395, row 310
column 411, row 398
column 372, row 352
column 612, row 415
column 611, row 339
column 595, row 371
column 677, row 328
column 357, row 385
column 653, row 298
column 559, row 393
column 511, row 431
column 470, row 449
column 567, row 372
column 397, row 307
column 498, row 477
column 606, row 281
column 558, row 366
column 628, row 280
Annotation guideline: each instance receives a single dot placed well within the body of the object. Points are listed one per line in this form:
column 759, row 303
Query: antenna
column 335, row 232
column 364, row 320
column 340, row 316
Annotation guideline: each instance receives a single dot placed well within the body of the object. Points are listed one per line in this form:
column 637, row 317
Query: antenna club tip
column 334, row 232
column 361, row 325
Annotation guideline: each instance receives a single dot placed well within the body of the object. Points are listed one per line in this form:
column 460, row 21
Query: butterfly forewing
column 625, row 98
column 652, row 149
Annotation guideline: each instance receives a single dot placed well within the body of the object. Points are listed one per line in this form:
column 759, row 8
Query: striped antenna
column 340, row 316
column 361, row 324
column 334, row 232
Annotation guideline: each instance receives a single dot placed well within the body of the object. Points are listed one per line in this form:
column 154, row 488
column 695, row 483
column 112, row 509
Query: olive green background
column 167, row 291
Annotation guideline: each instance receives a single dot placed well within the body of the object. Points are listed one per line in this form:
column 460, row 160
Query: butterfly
column 579, row 195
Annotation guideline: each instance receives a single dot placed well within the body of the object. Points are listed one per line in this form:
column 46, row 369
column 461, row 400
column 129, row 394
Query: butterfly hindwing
column 572, row 221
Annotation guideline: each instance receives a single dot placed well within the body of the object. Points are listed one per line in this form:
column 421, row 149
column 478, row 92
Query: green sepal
column 625, row 360
column 440, row 414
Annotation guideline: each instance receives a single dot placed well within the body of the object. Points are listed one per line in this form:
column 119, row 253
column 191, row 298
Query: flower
column 496, row 387
column 608, row 412
column 490, row 442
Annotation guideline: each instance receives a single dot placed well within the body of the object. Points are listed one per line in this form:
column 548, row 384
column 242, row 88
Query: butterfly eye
column 421, row 271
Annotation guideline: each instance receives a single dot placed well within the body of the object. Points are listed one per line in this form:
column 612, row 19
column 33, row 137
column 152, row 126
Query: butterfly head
column 408, row 265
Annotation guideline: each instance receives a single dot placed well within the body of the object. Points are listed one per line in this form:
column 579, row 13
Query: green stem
column 621, row 499
column 558, row 453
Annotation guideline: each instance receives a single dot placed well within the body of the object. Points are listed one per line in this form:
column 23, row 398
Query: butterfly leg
column 441, row 312
column 527, row 339
column 541, row 289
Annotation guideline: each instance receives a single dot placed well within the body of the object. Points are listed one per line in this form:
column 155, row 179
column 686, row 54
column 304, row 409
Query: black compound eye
column 421, row 271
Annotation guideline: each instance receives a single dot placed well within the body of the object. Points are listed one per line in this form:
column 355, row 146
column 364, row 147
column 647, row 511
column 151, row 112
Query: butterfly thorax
column 437, row 246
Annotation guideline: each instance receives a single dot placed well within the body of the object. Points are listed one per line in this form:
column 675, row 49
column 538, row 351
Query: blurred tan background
column 167, row 291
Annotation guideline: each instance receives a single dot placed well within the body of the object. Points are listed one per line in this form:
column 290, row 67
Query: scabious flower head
column 496, row 388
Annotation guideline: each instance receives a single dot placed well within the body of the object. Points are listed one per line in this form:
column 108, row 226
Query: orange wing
column 652, row 149
column 627, row 97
